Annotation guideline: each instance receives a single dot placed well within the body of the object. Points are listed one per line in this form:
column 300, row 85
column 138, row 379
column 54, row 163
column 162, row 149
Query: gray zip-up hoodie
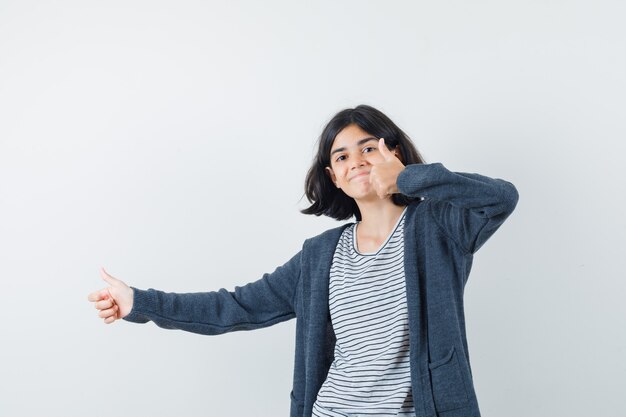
column 458, row 213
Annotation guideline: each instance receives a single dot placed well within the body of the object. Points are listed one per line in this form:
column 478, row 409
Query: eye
column 368, row 149
column 340, row 158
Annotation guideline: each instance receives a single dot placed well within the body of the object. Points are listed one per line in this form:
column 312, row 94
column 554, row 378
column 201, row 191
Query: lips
column 360, row 175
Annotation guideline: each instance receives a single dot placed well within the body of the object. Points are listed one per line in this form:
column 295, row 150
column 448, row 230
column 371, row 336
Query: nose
column 358, row 160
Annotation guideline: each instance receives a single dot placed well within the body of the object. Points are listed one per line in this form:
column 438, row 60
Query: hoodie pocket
column 449, row 390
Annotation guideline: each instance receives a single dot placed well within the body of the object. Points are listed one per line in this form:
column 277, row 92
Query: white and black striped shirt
column 370, row 375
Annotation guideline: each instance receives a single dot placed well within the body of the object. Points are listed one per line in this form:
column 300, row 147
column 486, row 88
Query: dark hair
column 318, row 187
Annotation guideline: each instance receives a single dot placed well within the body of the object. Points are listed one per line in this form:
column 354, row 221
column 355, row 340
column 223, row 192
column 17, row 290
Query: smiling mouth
column 359, row 175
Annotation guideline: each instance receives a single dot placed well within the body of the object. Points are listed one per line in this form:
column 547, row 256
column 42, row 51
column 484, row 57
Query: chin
column 369, row 196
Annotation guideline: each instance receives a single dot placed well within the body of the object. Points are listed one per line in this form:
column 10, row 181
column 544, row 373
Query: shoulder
column 329, row 238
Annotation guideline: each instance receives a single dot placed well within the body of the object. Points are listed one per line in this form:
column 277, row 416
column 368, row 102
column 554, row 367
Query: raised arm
column 261, row 303
column 468, row 207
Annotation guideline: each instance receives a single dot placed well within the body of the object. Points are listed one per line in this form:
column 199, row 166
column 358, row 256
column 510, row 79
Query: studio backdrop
column 168, row 142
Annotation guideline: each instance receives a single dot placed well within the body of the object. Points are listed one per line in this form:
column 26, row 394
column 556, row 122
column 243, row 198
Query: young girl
column 380, row 327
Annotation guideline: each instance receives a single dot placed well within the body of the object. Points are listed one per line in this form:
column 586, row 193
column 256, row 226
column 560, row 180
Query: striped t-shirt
column 370, row 375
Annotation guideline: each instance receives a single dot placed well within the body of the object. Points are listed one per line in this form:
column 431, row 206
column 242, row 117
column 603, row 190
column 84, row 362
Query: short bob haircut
column 331, row 201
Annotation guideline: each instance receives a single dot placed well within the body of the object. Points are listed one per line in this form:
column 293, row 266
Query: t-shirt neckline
column 393, row 230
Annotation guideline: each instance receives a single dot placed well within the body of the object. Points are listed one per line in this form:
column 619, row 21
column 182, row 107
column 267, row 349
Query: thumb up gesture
column 115, row 301
column 383, row 175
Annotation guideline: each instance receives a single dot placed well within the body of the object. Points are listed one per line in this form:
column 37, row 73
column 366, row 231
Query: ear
column 332, row 176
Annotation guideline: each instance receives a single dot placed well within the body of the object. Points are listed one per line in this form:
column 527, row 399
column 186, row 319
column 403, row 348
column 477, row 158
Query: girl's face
column 352, row 155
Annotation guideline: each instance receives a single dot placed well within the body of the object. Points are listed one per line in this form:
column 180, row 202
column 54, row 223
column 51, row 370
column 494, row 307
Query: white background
column 168, row 142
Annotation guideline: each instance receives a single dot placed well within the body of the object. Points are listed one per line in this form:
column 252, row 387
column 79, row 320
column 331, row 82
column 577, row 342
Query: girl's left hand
column 383, row 176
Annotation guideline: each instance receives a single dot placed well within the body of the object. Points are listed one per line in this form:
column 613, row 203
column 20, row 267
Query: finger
column 110, row 320
column 112, row 298
column 98, row 295
column 372, row 176
column 374, row 181
column 104, row 304
column 384, row 151
column 108, row 313
column 108, row 278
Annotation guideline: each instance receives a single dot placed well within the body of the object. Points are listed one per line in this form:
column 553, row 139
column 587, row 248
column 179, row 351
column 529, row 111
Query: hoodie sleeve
column 261, row 303
column 469, row 208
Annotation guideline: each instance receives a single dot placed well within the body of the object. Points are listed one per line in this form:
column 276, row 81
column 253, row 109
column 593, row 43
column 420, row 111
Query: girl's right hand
column 114, row 302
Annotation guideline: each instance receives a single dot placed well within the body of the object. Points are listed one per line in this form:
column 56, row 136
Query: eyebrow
column 360, row 142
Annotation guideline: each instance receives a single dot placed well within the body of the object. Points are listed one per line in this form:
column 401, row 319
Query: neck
column 378, row 217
